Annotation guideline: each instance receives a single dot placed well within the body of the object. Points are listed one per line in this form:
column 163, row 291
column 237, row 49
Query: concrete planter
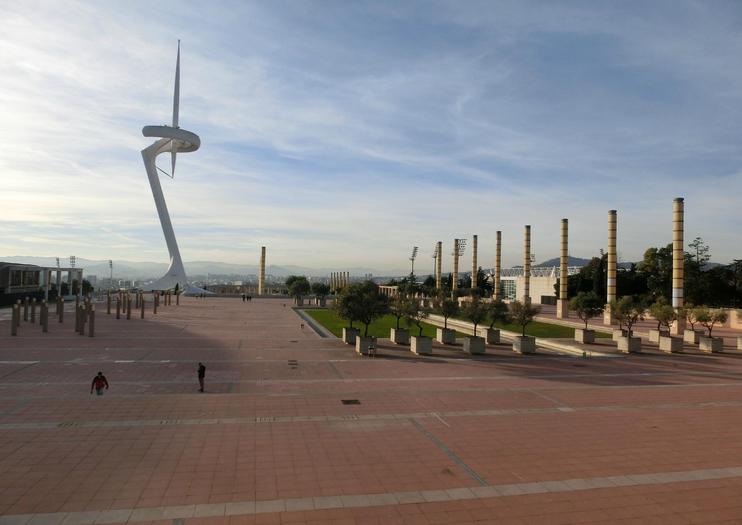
column 400, row 336
column 524, row 344
column 299, row 301
column 364, row 344
column 445, row 336
column 474, row 345
column 584, row 336
column 617, row 334
column 692, row 336
column 349, row 335
column 493, row 336
column 630, row 345
column 711, row 344
column 672, row 345
column 421, row 345
column 654, row 335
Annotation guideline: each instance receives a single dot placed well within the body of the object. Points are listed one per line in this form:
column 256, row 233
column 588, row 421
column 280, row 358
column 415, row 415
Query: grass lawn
column 546, row 330
column 379, row 328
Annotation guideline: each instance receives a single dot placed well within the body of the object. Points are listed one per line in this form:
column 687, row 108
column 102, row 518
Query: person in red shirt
column 99, row 383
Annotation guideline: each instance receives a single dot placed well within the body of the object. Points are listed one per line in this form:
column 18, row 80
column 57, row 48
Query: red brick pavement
column 444, row 439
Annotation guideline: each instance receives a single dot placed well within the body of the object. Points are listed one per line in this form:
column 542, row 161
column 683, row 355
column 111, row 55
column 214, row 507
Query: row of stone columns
column 339, row 280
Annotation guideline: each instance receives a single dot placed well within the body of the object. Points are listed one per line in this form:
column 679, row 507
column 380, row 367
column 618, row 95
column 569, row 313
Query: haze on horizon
column 341, row 134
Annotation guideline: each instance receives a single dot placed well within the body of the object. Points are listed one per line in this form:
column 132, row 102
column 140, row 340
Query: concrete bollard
column 61, row 310
column 33, row 310
column 91, row 323
column 25, row 309
column 118, row 308
column 108, row 303
column 157, row 297
column 44, row 317
column 77, row 318
column 128, row 307
column 177, row 299
column 141, row 308
column 14, row 320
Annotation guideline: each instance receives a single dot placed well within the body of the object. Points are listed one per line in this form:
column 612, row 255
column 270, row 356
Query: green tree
column 586, row 305
column 448, row 308
column 321, row 290
column 628, row 311
column 370, row 304
column 398, row 307
column 346, row 306
column 663, row 313
column 474, row 311
column 710, row 318
column 657, row 266
column 298, row 286
column 523, row 314
column 415, row 313
column 497, row 312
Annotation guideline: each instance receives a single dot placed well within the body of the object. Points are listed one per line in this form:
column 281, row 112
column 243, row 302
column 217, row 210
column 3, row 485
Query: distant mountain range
column 149, row 270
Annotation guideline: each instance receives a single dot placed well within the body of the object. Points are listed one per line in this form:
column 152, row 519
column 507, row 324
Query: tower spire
column 176, row 107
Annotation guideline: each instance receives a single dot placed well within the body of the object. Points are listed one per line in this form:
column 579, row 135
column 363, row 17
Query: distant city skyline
column 341, row 134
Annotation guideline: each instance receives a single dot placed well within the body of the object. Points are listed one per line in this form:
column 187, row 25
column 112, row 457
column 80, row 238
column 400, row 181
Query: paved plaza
column 296, row 428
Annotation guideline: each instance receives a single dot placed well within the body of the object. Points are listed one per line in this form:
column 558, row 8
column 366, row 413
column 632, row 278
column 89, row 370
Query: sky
column 342, row 133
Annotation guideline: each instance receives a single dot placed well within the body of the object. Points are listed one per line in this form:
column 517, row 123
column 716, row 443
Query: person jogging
column 99, row 383
column 201, row 376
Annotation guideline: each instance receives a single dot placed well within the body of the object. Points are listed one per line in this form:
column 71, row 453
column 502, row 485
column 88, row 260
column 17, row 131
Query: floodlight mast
column 412, row 260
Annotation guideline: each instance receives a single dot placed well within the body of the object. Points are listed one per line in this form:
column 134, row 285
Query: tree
column 415, row 313
column 448, row 308
column 663, row 313
column 523, row 314
column 689, row 314
column 298, row 286
column 398, row 307
column 346, row 307
column 369, row 303
column 657, row 266
column 700, row 251
column 321, row 290
column 498, row 312
column 628, row 311
column 474, row 311
column 710, row 318
column 586, row 305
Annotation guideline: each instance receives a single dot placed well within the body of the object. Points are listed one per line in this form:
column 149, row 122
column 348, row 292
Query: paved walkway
column 294, row 428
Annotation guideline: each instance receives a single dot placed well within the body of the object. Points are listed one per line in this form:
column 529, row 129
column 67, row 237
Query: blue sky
column 343, row 133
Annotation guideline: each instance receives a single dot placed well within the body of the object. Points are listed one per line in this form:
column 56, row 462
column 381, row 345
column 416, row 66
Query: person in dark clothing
column 99, row 383
column 243, row 298
column 201, row 376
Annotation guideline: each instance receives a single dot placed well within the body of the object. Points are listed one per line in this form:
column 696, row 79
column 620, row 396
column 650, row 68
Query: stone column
column 498, row 266
column 25, row 309
column 155, row 303
column 108, row 302
column 128, row 306
column 141, row 307
column 563, row 302
column 455, row 275
column 438, row 264
column 177, row 299
column 33, row 310
column 261, row 274
column 474, row 266
column 61, row 309
column 14, row 320
column 611, row 271
column 91, row 323
column 118, row 307
column 526, row 298
column 44, row 317
column 678, row 263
